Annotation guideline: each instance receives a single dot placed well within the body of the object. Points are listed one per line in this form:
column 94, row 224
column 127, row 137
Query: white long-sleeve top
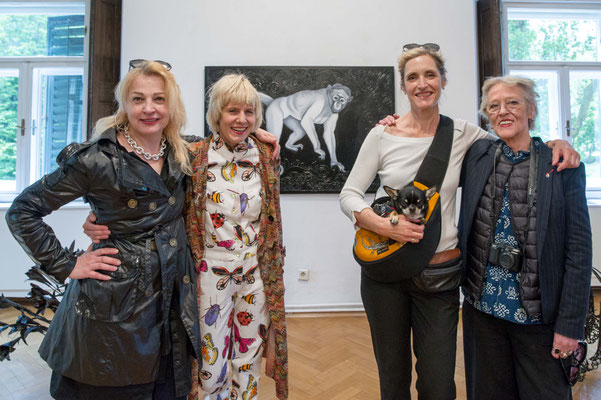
column 396, row 160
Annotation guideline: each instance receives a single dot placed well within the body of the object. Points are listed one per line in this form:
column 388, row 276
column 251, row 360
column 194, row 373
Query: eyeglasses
column 510, row 105
column 427, row 46
column 138, row 62
column 571, row 365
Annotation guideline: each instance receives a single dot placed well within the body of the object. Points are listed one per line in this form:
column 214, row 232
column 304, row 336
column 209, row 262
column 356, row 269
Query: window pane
column 9, row 92
column 42, row 31
column 57, row 114
column 547, row 121
column 553, row 35
column 584, row 122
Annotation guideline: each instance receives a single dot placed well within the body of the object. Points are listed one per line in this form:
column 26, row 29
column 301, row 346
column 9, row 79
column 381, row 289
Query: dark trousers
column 505, row 360
column 394, row 311
column 63, row 388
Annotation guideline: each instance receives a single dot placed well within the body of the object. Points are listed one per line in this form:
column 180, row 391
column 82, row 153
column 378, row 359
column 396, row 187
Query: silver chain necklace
column 140, row 150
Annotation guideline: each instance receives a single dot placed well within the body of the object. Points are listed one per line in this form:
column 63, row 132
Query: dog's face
column 411, row 201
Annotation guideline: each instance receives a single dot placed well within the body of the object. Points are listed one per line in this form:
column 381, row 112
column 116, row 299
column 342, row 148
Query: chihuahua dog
column 410, row 201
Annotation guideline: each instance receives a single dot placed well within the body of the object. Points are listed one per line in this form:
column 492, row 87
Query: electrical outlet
column 303, row 274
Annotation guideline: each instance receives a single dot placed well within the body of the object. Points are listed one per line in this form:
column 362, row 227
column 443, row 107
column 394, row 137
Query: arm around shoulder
column 365, row 169
column 578, row 255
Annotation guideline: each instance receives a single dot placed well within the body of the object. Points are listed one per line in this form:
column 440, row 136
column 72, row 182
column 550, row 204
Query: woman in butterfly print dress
column 234, row 229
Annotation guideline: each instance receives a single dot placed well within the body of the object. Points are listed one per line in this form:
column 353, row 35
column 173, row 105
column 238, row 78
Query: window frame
column 563, row 68
column 26, row 65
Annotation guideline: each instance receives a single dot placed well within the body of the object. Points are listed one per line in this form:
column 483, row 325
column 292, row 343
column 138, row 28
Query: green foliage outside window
column 23, row 35
column 9, row 88
column 31, row 36
column 552, row 40
column 563, row 40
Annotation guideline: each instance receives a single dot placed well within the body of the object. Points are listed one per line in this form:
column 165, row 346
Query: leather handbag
column 441, row 276
column 385, row 260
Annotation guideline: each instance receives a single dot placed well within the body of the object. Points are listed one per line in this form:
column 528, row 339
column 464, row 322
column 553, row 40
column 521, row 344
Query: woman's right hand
column 93, row 231
column 404, row 231
column 90, row 262
column 388, row 120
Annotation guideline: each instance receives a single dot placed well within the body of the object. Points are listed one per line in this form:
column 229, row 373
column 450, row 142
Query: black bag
column 436, row 278
column 403, row 261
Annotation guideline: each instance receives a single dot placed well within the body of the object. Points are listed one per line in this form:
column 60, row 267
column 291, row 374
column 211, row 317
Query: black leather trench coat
column 112, row 333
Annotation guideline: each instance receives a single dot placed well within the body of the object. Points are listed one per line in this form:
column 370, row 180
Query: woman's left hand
column 563, row 149
column 267, row 137
column 563, row 346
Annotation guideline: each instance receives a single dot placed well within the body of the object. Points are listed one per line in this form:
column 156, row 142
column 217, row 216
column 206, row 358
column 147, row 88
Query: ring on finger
column 563, row 355
column 556, row 350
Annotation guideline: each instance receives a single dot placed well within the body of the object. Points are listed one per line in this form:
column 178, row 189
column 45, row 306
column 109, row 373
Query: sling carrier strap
column 434, row 166
column 386, row 260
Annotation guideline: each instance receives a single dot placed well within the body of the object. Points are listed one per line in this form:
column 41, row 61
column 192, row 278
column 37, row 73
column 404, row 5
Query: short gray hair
column 526, row 84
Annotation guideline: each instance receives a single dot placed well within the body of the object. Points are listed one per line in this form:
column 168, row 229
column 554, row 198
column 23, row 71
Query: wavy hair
column 420, row 51
column 526, row 84
column 175, row 104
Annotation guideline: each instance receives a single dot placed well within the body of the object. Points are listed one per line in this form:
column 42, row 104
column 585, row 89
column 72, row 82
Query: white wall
column 194, row 34
column 197, row 33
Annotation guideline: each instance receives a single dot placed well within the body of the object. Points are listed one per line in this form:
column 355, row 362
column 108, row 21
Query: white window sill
column 74, row 205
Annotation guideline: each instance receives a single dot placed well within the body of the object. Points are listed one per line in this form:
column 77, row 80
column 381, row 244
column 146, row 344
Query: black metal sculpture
column 42, row 298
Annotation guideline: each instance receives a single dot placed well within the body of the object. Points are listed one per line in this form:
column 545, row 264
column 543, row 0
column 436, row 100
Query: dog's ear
column 393, row 193
column 430, row 192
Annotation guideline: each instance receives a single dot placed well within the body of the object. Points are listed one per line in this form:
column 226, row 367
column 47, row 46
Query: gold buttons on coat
column 173, row 242
column 172, row 200
column 152, row 206
column 186, row 279
column 132, row 203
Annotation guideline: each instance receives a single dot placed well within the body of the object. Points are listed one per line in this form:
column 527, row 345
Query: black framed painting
column 320, row 116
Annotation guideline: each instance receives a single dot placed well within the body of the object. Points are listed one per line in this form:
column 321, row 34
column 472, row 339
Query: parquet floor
column 330, row 357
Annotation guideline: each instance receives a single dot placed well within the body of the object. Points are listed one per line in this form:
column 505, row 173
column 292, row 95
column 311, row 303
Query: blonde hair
column 420, row 51
column 175, row 104
column 232, row 88
column 526, row 84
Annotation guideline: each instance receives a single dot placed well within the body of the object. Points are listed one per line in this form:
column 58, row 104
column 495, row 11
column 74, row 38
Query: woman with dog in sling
column 417, row 305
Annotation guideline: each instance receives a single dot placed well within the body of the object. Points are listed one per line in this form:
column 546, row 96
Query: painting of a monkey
column 302, row 110
column 320, row 115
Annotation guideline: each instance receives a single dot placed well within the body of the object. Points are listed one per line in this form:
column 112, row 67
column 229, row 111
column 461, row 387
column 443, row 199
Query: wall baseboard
column 340, row 307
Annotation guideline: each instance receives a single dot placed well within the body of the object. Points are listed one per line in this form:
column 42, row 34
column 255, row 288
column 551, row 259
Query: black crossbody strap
column 434, row 167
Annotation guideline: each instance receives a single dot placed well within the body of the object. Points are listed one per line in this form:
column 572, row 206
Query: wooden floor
column 330, row 357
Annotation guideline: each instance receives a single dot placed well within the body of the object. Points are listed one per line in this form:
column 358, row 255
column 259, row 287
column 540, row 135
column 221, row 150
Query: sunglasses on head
column 427, row 46
column 571, row 365
column 138, row 62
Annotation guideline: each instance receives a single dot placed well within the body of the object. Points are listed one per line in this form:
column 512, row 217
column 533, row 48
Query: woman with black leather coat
column 127, row 327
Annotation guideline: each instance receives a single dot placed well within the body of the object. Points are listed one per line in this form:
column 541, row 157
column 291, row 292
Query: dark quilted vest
column 483, row 228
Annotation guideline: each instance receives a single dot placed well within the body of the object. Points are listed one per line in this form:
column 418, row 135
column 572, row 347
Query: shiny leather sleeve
column 24, row 217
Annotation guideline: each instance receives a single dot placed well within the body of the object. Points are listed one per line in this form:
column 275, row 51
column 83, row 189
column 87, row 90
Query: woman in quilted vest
column 526, row 240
